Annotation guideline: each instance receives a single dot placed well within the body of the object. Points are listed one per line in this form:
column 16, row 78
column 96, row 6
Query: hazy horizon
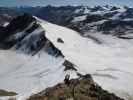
column 14, row 3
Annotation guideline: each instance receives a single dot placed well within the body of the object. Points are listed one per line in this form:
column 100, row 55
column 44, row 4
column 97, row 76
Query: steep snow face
column 32, row 63
column 26, row 74
column 110, row 63
column 23, row 73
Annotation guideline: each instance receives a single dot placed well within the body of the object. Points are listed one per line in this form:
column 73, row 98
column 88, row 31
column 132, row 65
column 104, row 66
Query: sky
column 9, row 3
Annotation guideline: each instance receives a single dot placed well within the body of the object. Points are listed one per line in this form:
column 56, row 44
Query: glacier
column 110, row 63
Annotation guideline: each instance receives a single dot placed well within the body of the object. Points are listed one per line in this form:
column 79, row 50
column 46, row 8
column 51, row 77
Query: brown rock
column 83, row 88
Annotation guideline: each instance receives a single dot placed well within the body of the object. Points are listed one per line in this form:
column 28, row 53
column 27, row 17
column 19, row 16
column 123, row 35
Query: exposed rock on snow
column 69, row 66
column 60, row 40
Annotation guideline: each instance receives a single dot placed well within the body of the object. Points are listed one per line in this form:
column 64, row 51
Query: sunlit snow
column 110, row 63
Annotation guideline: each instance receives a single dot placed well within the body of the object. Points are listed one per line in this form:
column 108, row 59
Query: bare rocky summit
column 83, row 88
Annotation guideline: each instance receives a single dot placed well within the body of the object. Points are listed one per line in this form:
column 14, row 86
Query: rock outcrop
column 83, row 88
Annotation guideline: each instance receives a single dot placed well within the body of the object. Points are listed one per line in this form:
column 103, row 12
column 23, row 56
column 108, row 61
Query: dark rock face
column 93, row 18
column 83, row 88
column 26, row 35
column 114, row 8
column 52, row 50
column 128, row 13
column 32, row 28
column 117, row 28
column 18, row 24
column 110, row 14
column 112, row 24
column 4, row 19
column 60, row 40
column 69, row 66
column 57, row 15
column 33, row 44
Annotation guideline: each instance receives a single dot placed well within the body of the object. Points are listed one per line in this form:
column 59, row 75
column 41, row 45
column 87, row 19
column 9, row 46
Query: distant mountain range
column 106, row 19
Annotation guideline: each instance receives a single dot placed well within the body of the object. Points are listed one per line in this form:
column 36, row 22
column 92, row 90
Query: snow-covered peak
column 104, row 62
column 83, row 10
column 107, row 58
column 31, row 62
column 113, row 20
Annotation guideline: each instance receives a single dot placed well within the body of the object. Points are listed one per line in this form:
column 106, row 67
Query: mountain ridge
column 41, row 48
